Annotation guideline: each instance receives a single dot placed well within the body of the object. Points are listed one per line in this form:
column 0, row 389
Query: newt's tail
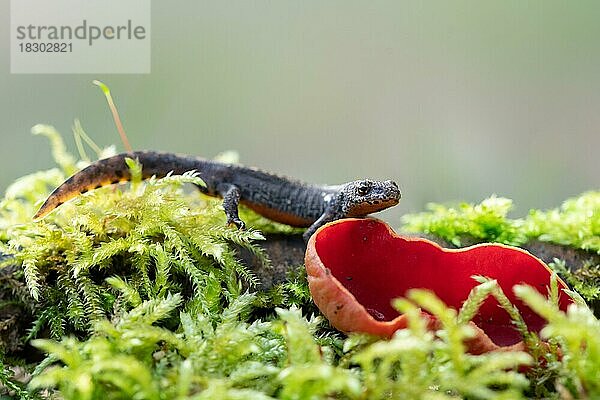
column 114, row 170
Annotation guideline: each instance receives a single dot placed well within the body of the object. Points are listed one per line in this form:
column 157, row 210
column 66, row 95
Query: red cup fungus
column 356, row 267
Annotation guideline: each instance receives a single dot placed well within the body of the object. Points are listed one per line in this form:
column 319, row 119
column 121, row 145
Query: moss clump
column 484, row 222
column 585, row 280
column 111, row 247
column 286, row 357
column 576, row 223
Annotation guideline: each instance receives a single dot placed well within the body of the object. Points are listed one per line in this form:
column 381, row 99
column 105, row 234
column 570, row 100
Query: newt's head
column 366, row 196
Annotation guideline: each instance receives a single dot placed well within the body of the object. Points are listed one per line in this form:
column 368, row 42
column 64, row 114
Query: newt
column 276, row 197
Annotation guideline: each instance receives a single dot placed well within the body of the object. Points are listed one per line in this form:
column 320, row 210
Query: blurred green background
column 455, row 100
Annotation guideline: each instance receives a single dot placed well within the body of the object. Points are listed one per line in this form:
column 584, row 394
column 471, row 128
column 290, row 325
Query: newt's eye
column 363, row 190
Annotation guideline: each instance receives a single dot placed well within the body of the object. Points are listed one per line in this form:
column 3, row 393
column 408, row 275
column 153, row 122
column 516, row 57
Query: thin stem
column 115, row 114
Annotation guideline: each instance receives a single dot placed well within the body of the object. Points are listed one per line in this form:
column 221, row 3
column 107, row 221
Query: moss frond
column 576, row 223
column 485, row 222
column 78, row 259
column 578, row 332
column 10, row 386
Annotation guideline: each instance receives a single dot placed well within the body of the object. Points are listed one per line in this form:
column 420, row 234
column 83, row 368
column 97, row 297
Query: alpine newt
column 278, row 198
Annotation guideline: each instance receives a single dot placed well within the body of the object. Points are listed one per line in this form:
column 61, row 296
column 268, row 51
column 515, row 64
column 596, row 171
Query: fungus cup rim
column 346, row 313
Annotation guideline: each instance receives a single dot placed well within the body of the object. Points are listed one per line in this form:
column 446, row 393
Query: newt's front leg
column 330, row 214
column 231, row 201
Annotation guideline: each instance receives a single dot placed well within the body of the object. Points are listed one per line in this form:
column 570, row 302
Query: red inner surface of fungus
column 376, row 266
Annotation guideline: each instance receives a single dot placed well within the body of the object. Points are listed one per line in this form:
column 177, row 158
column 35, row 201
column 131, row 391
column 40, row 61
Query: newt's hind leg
column 231, row 200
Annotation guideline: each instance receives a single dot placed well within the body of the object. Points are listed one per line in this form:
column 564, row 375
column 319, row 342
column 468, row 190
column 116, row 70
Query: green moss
column 113, row 248
column 13, row 386
column 585, row 280
column 576, row 223
column 226, row 355
column 484, row 222
column 231, row 357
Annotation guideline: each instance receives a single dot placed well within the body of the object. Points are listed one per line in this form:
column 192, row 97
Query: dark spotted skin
column 276, row 197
